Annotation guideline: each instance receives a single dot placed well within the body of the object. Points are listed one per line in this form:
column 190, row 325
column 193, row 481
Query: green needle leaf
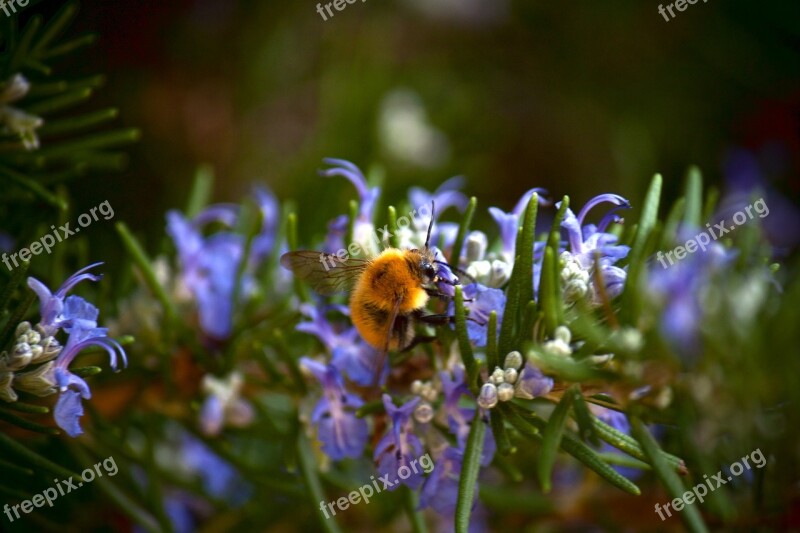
column 492, row 357
column 694, row 198
column 551, row 440
column 308, row 467
column 464, row 345
column 469, row 472
column 394, row 238
column 463, row 229
column 525, row 252
column 202, row 188
column 637, row 255
column 141, row 260
column 690, row 515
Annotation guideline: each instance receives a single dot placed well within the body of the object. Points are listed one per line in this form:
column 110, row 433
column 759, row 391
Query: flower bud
column 416, row 387
column 40, row 382
column 476, row 246
column 20, row 357
column 510, row 376
column 488, row 396
column 505, row 392
column 423, row 413
column 532, row 383
column 22, row 329
column 498, row 376
column 7, row 394
column 513, row 360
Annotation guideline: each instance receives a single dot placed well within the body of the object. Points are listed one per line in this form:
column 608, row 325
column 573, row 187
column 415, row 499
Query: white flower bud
column 501, row 272
column 476, row 246
column 563, row 334
column 33, row 337
column 488, row 396
column 416, row 387
column 423, row 413
column 40, row 382
column 22, row 329
column 498, row 376
column 513, row 360
column 510, row 375
column 505, row 392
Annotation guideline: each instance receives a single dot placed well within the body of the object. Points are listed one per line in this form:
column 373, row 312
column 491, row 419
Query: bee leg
column 435, row 320
column 442, row 296
column 419, row 339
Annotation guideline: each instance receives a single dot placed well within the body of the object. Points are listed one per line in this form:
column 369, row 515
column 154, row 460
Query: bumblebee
column 388, row 293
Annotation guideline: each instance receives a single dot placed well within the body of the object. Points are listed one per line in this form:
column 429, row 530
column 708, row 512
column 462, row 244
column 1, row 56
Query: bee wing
column 324, row 272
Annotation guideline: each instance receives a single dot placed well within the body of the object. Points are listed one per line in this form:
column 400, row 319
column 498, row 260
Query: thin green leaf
column 15, row 318
column 291, row 239
column 492, row 357
column 469, row 472
column 22, row 49
column 11, row 418
column 507, row 326
column 411, row 502
column 464, row 345
column 463, row 229
column 308, row 467
column 144, row 263
column 17, row 278
column 672, row 483
column 584, row 418
column 630, row 296
column 525, row 253
column 32, row 186
column 57, row 103
column 500, row 435
column 56, row 25
column 551, row 440
column 202, row 188
column 24, row 452
column 72, row 124
column 394, row 238
column 629, row 445
column 694, row 198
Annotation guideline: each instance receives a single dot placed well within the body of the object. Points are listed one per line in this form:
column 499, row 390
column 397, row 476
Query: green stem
column 469, row 472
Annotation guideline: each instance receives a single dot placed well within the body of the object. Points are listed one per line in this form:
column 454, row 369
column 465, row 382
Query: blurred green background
column 581, row 98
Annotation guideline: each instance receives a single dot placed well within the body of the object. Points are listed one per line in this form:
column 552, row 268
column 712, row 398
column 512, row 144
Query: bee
column 388, row 293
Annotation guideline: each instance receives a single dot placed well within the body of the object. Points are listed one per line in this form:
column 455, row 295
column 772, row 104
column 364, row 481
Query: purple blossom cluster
column 416, row 417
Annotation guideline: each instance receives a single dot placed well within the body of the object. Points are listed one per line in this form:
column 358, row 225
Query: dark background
column 580, row 99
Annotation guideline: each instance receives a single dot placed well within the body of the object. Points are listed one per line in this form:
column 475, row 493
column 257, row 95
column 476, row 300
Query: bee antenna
column 430, row 226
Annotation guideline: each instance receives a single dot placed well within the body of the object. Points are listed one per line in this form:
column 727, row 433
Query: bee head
column 429, row 271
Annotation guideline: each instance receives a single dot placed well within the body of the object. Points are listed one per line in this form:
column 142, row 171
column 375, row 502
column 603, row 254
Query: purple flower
column 447, row 195
column 264, row 241
column 587, row 242
column 209, row 265
column 219, row 479
column 341, row 432
column 440, row 491
column 532, row 383
column 57, row 313
column 224, row 404
column 350, row 354
column 459, row 419
column 399, row 446
column 69, row 408
column 509, row 223
column 363, row 227
column 680, row 289
column 479, row 301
